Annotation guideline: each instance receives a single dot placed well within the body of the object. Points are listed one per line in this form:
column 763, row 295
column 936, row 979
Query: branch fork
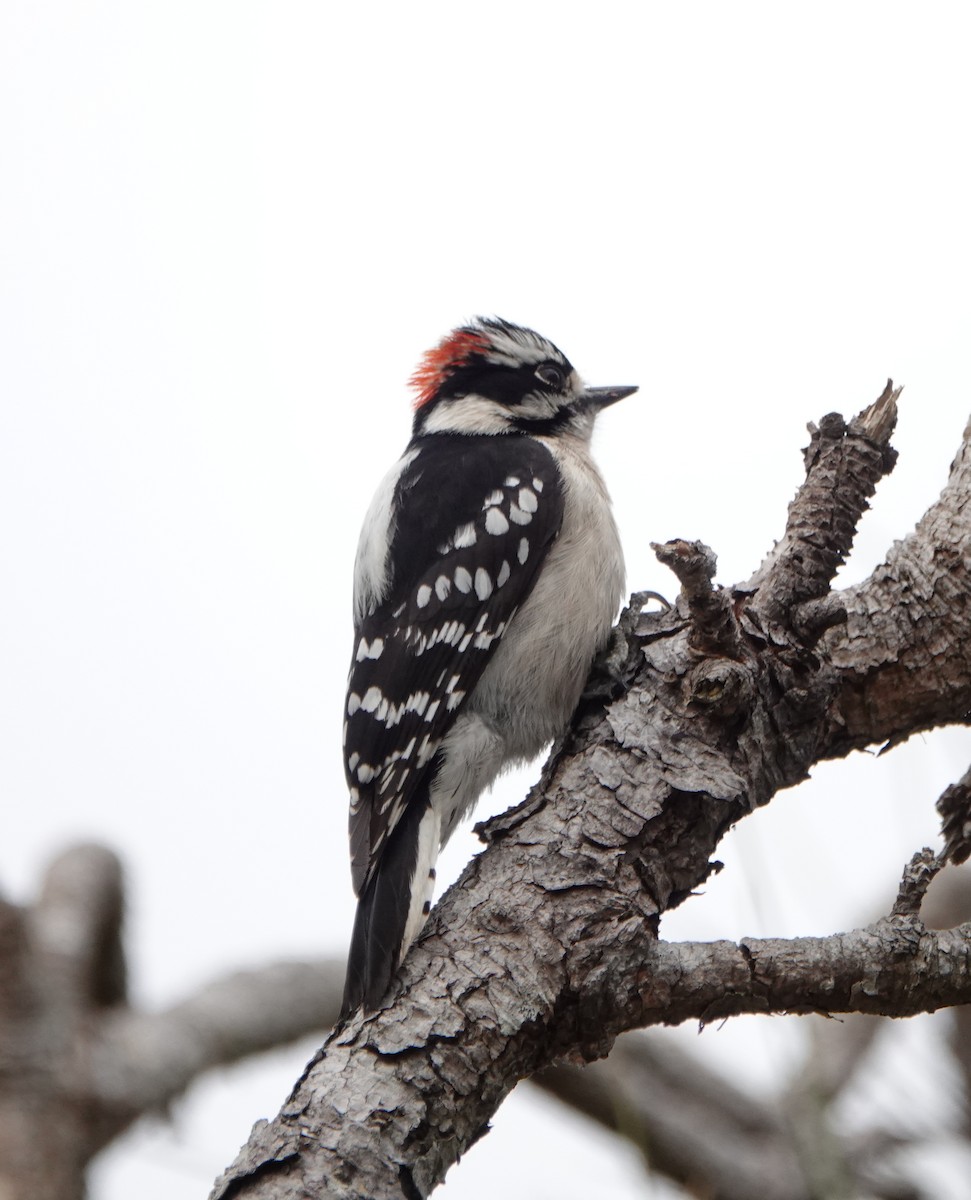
column 546, row 947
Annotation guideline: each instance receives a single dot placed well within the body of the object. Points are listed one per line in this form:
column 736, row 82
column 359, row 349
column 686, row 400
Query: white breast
column 532, row 684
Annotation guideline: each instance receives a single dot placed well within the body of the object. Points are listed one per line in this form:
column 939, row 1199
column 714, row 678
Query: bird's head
column 493, row 377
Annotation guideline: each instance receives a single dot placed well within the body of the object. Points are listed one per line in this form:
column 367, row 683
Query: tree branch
column 75, row 927
column 77, row 1065
column 546, row 948
column 903, row 653
column 893, row 967
column 698, row 1129
column 143, row 1061
column 844, row 464
column 689, row 1123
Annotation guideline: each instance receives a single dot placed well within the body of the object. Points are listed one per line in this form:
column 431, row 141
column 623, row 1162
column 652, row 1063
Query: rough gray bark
column 81, row 1065
column 546, row 948
column 702, row 1131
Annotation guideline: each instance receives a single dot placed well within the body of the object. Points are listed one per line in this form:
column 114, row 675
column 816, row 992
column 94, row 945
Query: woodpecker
column 487, row 578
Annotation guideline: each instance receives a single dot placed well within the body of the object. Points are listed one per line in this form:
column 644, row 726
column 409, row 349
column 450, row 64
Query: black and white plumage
column 487, row 576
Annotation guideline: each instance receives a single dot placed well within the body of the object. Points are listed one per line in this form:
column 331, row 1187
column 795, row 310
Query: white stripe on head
column 511, row 345
column 470, row 414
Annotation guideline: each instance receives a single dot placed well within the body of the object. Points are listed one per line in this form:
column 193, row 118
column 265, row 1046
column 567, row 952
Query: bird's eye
column 552, row 376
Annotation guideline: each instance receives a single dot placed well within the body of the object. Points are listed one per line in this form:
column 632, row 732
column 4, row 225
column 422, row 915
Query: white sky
column 227, row 232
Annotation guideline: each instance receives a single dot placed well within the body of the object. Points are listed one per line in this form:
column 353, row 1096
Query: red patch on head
column 451, row 352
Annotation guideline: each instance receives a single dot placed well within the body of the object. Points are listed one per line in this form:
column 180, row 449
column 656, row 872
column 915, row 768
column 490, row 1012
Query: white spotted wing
column 473, row 520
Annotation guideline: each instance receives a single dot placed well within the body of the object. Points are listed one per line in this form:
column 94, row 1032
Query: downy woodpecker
column 487, row 577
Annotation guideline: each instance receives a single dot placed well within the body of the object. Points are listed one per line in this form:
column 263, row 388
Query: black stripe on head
column 492, row 358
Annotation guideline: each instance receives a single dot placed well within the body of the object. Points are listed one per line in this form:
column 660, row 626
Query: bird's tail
column 392, row 907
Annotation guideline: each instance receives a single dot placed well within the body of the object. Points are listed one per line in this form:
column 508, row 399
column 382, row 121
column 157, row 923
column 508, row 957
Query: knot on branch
column 831, row 428
column 714, row 628
column 723, row 687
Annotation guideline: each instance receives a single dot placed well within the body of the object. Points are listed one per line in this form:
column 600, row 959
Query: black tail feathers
column 382, row 913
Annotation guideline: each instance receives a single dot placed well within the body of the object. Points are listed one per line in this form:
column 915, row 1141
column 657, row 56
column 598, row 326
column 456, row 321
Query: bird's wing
column 467, row 548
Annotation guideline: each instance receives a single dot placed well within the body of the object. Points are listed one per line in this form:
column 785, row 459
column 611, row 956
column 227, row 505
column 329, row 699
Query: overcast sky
column 227, row 233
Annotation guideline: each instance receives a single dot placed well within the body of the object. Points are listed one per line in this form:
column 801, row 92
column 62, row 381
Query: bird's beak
column 602, row 397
